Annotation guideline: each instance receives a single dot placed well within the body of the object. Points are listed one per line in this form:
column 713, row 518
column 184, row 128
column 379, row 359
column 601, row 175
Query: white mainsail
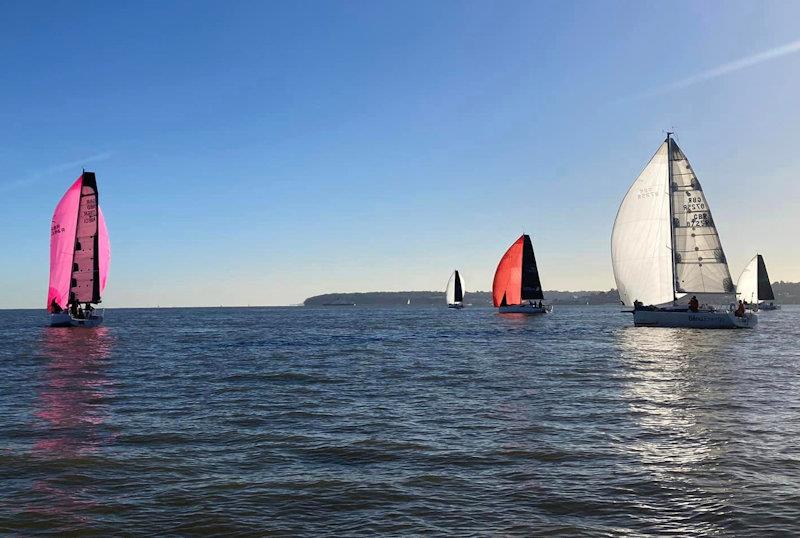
column 662, row 249
column 641, row 246
column 747, row 285
column 700, row 264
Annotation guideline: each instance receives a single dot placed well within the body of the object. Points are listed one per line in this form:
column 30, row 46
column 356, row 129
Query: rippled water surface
column 398, row 421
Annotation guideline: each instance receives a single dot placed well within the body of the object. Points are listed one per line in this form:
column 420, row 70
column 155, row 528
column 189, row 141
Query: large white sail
column 700, row 264
column 641, row 243
column 747, row 285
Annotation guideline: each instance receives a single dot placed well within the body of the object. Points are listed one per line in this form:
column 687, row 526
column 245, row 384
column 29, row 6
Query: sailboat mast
column 671, row 213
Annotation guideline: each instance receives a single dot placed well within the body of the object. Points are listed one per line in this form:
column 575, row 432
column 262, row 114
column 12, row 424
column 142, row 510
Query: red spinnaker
column 62, row 245
column 508, row 277
column 104, row 245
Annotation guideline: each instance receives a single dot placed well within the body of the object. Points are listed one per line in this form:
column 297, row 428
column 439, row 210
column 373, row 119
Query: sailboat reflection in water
column 69, row 413
column 74, row 386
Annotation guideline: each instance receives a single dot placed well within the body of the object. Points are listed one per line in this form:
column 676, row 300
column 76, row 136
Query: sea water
column 342, row 421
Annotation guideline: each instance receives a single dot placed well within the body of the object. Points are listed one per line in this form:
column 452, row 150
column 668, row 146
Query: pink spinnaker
column 62, row 246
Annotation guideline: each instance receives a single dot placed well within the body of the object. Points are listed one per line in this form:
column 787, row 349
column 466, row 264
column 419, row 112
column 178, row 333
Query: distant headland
column 785, row 293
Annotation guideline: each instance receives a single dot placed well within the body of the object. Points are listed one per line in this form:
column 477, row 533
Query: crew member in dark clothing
column 740, row 310
column 55, row 308
column 694, row 304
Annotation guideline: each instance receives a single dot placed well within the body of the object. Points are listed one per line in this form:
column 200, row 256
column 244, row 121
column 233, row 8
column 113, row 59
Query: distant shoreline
column 785, row 293
column 437, row 298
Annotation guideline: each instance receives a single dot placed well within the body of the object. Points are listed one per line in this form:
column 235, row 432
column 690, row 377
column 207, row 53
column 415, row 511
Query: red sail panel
column 62, row 245
column 104, row 248
column 508, row 277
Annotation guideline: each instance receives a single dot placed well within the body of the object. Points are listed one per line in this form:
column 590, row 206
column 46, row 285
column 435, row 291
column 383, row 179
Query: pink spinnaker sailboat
column 80, row 254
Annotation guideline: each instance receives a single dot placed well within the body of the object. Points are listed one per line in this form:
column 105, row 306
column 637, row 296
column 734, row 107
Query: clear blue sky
column 260, row 152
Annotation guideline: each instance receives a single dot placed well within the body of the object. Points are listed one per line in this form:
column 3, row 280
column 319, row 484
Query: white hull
column 525, row 309
column 63, row 319
column 456, row 305
column 693, row 320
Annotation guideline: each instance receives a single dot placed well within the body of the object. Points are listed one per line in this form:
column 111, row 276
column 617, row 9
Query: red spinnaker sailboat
column 80, row 254
column 516, row 286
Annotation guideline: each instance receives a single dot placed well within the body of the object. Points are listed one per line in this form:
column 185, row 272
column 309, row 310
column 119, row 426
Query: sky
column 263, row 152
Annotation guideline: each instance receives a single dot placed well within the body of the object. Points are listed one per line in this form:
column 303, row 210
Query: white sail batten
column 641, row 242
column 747, row 285
column 700, row 263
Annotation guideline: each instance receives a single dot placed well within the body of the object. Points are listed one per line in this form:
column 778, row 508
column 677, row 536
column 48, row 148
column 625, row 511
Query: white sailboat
column 455, row 291
column 665, row 246
column 753, row 286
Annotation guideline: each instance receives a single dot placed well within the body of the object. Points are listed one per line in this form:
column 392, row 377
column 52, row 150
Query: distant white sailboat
column 753, row 286
column 408, row 302
column 455, row 291
column 665, row 246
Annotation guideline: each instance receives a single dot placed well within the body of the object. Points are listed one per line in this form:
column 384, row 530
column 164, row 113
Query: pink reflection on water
column 70, row 409
column 73, row 390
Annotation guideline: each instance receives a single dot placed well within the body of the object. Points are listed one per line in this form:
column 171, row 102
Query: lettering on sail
column 694, row 203
column 699, row 220
column 56, row 229
column 646, row 192
column 89, row 213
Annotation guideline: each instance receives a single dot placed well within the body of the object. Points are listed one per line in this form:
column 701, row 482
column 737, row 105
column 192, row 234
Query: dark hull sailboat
column 516, row 287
